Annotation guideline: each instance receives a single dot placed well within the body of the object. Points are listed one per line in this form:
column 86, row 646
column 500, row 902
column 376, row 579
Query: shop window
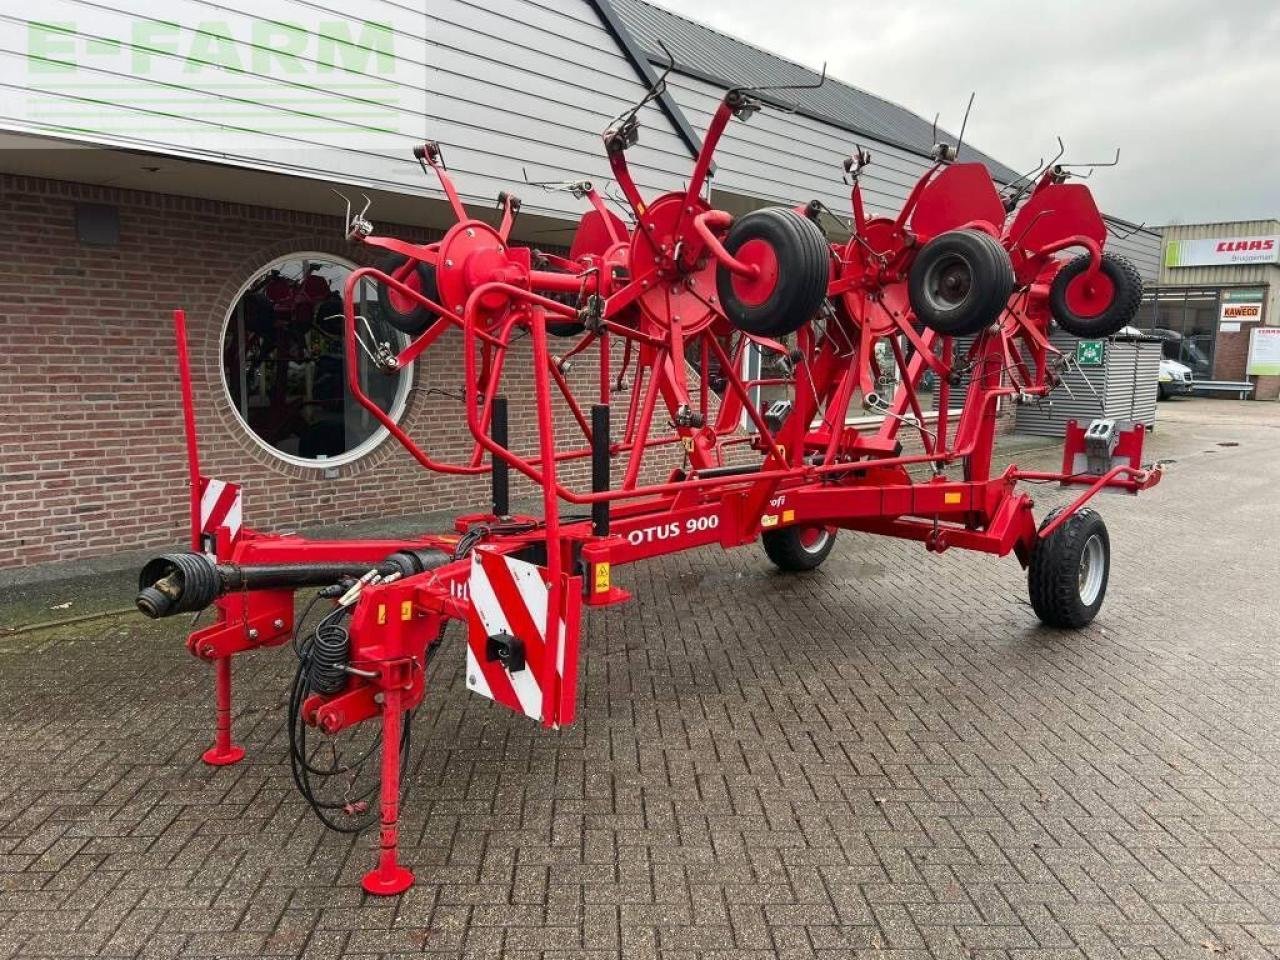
column 284, row 363
column 1200, row 329
column 1185, row 320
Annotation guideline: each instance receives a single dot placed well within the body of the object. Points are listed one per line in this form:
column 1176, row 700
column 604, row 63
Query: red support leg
column 389, row 878
column 223, row 752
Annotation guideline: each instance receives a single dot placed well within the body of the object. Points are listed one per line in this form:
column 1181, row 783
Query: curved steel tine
column 766, row 88
column 1018, row 186
column 656, row 89
column 578, row 188
column 1126, row 235
column 1115, row 161
column 964, row 123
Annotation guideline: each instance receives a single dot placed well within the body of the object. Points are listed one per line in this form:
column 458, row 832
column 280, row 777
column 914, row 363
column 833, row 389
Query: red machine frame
column 519, row 582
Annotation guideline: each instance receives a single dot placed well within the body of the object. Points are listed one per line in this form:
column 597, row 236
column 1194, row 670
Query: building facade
column 188, row 157
column 1218, row 284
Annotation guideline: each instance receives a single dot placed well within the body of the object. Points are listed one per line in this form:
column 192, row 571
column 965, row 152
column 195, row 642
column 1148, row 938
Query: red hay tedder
column 687, row 291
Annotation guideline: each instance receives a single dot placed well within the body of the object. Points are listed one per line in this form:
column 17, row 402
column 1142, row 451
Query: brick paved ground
column 886, row 759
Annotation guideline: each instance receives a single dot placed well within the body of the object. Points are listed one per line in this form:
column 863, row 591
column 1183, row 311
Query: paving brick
column 886, row 759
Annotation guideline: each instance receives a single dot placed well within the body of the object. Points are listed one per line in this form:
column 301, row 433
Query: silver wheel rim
column 1093, row 568
column 819, row 543
column 948, row 284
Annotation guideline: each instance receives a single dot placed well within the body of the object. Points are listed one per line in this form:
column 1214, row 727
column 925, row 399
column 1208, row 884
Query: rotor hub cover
column 471, row 255
column 675, row 294
column 877, row 286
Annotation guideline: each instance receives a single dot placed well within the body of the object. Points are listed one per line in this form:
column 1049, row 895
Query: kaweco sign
column 1222, row 251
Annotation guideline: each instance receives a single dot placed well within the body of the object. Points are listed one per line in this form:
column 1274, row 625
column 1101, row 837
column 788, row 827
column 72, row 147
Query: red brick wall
column 1231, row 360
column 1266, row 388
column 91, row 450
column 1231, row 354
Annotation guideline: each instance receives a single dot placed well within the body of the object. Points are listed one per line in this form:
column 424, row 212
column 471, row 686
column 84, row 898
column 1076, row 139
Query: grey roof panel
column 716, row 57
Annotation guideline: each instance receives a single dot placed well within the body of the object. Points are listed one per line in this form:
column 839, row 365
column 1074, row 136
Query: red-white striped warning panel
column 220, row 506
column 514, row 655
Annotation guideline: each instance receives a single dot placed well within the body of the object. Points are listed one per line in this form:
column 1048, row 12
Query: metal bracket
column 591, row 314
column 356, row 227
column 687, row 417
column 777, row 414
column 507, row 650
column 1099, row 445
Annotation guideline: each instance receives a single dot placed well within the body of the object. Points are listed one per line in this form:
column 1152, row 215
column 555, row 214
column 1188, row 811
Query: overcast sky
column 1189, row 90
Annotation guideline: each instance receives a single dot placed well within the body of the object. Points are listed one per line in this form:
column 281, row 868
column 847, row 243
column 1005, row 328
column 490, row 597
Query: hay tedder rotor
column 683, row 450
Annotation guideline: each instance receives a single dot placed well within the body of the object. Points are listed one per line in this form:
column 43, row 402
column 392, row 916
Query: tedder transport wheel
column 796, row 549
column 1097, row 308
column 408, row 316
column 960, row 282
column 794, row 261
column 1067, row 577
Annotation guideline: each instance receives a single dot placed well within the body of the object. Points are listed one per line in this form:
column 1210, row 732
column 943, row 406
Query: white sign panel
column 1264, row 352
column 1239, row 313
column 1222, row 251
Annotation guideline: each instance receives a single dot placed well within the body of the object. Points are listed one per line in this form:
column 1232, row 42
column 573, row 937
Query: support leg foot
column 223, row 752
column 387, row 881
column 217, row 756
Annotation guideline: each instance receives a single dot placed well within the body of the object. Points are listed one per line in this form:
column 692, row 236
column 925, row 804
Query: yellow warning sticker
column 953, row 496
column 406, row 609
column 788, row 516
column 602, row 578
column 688, row 444
column 382, row 613
column 769, row 520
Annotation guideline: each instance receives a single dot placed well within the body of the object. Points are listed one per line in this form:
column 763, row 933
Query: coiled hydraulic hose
column 329, row 652
column 357, row 813
column 322, row 660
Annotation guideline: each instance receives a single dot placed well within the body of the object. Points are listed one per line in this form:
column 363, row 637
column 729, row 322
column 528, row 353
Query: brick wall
column 1231, row 354
column 91, row 449
column 1231, row 360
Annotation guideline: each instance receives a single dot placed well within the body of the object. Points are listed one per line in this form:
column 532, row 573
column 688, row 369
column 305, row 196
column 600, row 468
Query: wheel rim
column 1090, row 297
column 401, row 302
column 949, row 282
column 760, row 254
column 1093, row 568
column 814, row 539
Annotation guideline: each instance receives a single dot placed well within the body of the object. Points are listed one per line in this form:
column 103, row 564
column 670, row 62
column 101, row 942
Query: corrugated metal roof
column 718, row 58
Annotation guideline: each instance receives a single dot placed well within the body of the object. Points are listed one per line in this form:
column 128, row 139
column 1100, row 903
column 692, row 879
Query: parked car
column 1175, row 379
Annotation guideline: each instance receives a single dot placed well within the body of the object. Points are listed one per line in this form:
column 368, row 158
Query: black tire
column 416, row 318
column 1162, row 392
column 1118, row 313
column 565, row 328
column 1064, row 593
column 803, row 259
column 960, row 282
column 787, row 549
column 714, row 376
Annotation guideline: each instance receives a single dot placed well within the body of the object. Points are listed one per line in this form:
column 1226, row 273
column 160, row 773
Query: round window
column 284, row 363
